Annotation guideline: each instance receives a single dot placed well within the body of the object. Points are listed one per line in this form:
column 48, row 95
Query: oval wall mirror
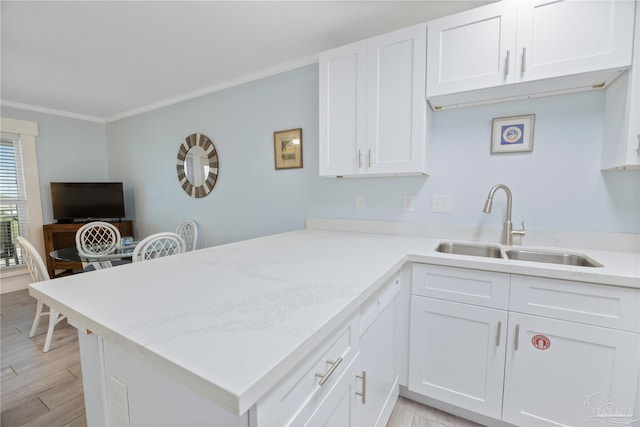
column 197, row 165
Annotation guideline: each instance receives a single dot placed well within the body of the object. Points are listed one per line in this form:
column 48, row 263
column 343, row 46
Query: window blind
column 14, row 218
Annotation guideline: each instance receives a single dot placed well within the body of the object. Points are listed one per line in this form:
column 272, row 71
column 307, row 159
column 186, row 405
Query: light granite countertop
column 230, row 321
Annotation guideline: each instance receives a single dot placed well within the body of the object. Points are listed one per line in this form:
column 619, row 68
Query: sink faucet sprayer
column 508, row 232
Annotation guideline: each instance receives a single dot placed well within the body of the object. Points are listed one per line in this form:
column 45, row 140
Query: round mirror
column 197, row 165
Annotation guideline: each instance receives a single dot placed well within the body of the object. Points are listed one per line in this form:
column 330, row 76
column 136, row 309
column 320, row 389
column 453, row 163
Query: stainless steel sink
column 469, row 249
column 552, row 257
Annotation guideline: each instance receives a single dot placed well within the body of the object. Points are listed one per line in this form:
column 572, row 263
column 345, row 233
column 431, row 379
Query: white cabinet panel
column 372, row 109
column 342, row 108
column 545, row 46
column 611, row 307
column 485, row 288
column 559, row 38
column 582, row 368
column 471, row 50
column 378, row 360
column 457, row 354
column 570, row 357
column 621, row 142
column 397, row 111
column 340, row 407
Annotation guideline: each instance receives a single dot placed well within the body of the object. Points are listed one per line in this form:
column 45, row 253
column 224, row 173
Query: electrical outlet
column 119, row 402
column 441, row 204
column 408, row 203
column 360, row 201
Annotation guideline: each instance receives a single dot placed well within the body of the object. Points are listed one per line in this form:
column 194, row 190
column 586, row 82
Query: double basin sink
column 491, row 251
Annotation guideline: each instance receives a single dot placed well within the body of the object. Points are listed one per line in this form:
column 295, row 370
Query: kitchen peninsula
column 221, row 335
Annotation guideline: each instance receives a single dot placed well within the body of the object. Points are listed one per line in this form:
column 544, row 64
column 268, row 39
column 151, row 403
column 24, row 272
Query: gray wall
column 557, row 186
column 67, row 150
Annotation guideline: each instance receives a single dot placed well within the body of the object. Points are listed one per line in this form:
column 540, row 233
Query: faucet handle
column 519, row 232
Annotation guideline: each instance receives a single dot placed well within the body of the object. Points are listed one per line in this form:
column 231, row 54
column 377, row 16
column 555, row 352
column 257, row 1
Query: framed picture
column 287, row 146
column 512, row 134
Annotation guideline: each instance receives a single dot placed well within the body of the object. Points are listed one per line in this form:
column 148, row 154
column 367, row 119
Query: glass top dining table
column 71, row 254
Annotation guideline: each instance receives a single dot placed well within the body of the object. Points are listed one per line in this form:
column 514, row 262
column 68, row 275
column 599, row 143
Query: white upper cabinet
column 545, row 46
column 471, row 50
column 621, row 142
column 372, row 111
column 343, row 109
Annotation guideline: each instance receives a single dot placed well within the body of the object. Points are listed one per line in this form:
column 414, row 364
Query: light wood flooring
column 37, row 389
column 45, row 389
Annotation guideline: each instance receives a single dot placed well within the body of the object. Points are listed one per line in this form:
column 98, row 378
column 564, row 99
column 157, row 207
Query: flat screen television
column 81, row 201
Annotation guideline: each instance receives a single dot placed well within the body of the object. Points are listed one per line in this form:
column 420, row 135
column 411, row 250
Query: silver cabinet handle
column 359, row 158
column 506, row 67
column 524, row 59
column 369, row 157
column 515, row 344
column 334, row 364
column 498, row 333
column 638, row 149
column 363, row 377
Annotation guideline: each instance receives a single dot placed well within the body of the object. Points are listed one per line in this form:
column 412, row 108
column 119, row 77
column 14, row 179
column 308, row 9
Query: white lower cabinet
column 457, row 353
column 378, row 355
column 565, row 353
column 341, row 404
column 458, row 336
column 566, row 373
column 350, row 380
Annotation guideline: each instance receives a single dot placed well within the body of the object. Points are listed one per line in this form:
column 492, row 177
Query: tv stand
column 63, row 235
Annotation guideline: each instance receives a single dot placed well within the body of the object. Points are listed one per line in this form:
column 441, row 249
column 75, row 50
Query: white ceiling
column 104, row 60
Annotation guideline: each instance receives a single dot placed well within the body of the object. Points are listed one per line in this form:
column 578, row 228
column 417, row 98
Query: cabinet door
column 342, row 404
column 457, row 354
column 559, row 38
column 343, row 112
column 471, row 50
column 377, row 356
column 396, row 105
column 586, row 373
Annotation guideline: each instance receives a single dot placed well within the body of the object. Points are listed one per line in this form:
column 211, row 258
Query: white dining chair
column 188, row 230
column 94, row 239
column 39, row 273
column 158, row 245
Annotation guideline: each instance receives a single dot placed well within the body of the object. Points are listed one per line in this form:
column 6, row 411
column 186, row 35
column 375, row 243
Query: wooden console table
column 58, row 236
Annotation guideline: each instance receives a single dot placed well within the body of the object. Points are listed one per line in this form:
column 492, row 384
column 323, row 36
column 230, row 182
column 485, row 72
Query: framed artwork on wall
column 287, row 146
column 512, row 134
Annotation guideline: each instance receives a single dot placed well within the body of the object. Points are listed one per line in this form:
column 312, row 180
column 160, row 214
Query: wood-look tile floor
column 45, row 389
column 408, row 413
column 36, row 388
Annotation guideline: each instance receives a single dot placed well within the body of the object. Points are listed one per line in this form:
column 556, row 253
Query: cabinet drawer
column 599, row 305
column 483, row 288
column 297, row 396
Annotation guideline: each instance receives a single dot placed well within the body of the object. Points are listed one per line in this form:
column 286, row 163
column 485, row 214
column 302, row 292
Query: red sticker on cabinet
column 541, row 342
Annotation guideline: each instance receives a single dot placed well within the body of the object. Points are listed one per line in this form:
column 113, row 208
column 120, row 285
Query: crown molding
column 52, row 111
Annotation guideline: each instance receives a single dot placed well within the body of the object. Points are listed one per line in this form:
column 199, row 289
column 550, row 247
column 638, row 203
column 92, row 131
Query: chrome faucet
column 508, row 232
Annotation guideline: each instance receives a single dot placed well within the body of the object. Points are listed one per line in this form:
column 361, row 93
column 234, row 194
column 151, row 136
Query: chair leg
column 36, row 320
column 53, row 319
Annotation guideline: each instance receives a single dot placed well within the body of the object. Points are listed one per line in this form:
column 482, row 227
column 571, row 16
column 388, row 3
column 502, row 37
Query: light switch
column 360, row 201
column 408, row 203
